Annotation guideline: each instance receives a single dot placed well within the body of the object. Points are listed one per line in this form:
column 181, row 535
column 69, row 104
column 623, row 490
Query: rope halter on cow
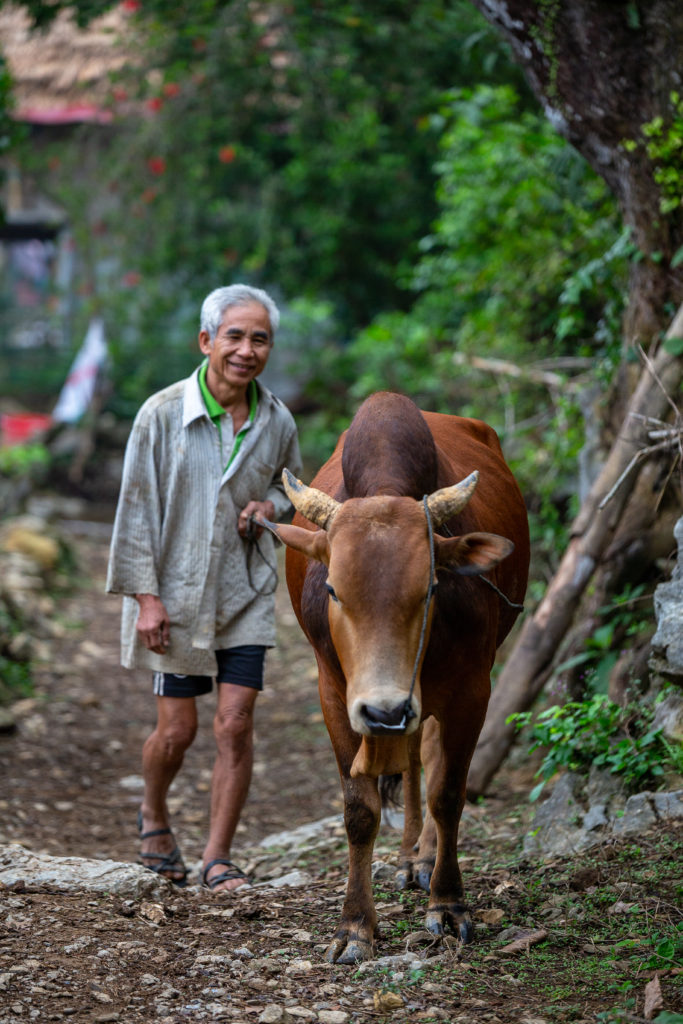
column 408, row 713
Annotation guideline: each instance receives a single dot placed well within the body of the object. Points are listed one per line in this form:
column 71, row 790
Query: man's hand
column 259, row 510
column 153, row 624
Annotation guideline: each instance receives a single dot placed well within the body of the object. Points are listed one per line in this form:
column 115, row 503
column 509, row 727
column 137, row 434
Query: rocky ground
column 596, row 938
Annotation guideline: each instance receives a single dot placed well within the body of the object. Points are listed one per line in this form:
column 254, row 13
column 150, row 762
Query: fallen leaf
column 152, row 912
column 621, row 908
column 653, row 998
column 387, row 1000
column 492, row 916
column 502, row 886
column 527, row 939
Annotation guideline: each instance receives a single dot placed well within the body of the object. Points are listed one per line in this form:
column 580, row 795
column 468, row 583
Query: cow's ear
column 472, row 553
column 312, row 543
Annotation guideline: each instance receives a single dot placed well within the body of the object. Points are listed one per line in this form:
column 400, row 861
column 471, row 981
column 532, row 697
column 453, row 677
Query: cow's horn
column 449, row 501
column 315, row 505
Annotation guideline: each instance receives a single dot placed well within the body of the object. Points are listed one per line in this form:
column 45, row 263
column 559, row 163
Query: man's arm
column 153, row 625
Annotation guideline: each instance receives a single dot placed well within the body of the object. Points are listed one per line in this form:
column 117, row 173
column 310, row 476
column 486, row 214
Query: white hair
column 220, row 299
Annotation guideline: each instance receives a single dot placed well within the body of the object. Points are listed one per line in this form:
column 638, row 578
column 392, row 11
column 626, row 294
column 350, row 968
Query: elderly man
column 203, row 463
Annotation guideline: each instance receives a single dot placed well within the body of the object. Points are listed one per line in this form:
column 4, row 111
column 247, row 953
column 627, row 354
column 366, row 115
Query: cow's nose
column 381, row 720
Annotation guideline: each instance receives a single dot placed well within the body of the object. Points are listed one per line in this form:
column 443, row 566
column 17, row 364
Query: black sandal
column 226, row 876
column 167, row 861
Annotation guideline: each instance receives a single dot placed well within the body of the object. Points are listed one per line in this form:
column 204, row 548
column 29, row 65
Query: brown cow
column 365, row 555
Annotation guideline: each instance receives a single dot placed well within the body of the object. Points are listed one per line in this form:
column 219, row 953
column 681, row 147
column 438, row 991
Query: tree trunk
column 530, row 662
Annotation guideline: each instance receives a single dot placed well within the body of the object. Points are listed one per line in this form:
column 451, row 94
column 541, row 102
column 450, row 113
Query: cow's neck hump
column 389, row 449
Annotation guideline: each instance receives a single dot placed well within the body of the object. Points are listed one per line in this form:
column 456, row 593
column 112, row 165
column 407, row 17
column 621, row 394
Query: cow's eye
column 330, row 590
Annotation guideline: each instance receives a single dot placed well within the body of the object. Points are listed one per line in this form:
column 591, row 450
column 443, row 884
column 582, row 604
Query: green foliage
column 23, row 459
column 597, row 733
column 294, row 149
column 622, row 620
column 520, row 215
column 665, row 148
column 15, row 679
column 10, row 131
column 43, row 12
column 525, row 258
column 15, row 676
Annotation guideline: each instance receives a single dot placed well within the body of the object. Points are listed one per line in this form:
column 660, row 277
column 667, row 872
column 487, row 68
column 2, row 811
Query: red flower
column 154, row 104
column 156, row 164
column 131, row 6
column 119, row 94
column 171, row 89
column 226, row 154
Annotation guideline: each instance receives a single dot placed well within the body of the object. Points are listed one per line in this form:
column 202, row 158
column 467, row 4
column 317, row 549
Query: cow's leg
column 412, row 813
column 446, row 798
column 354, row 939
column 418, row 850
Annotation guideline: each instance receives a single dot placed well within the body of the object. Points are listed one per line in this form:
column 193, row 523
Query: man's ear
column 472, row 553
column 205, row 343
column 312, row 543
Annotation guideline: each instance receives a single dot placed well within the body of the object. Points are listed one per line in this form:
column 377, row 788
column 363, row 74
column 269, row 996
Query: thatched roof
column 63, row 74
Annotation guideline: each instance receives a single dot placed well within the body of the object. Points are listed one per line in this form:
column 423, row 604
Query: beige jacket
column 175, row 533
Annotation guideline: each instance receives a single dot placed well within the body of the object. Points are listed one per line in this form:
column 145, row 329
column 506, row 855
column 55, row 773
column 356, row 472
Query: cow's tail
column 390, row 790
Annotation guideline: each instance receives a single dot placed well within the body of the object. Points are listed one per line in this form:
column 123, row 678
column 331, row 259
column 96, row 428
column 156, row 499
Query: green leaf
column 536, row 791
column 674, row 346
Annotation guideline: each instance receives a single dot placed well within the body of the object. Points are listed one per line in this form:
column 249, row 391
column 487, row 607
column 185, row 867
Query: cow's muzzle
column 380, row 721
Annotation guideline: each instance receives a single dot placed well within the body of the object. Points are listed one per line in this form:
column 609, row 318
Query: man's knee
column 176, row 736
column 233, row 724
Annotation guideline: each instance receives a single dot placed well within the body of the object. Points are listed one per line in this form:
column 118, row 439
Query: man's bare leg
column 234, row 733
column 162, row 756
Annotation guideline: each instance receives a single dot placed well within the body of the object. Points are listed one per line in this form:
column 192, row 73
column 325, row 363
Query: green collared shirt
column 217, row 412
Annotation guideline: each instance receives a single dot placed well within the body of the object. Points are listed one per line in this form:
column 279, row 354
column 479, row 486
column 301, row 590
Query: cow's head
column 377, row 553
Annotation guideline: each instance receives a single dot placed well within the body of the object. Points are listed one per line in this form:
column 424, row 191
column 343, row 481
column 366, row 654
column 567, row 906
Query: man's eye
column 330, row 590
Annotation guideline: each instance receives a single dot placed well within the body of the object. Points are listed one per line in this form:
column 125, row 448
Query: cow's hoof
column 424, row 876
column 343, row 950
column 452, row 918
column 417, row 874
column 403, row 878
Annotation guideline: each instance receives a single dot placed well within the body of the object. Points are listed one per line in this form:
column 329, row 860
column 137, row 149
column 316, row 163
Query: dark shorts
column 242, row 666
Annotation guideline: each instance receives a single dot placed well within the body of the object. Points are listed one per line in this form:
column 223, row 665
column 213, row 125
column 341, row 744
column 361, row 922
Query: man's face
column 240, row 349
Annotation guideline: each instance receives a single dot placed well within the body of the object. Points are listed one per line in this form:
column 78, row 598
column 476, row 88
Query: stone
column 596, row 817
column 668, row 805
column 667, row 643
column 294, row 878
column 303, row 835
column 669, row 715
column 637, row 818
column 382, row 872
column 8, row 722
column 406, row 961
column 603, row 788
column 80, row 874
column 29, row 538
column 555, row 831
column 272, row 1014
